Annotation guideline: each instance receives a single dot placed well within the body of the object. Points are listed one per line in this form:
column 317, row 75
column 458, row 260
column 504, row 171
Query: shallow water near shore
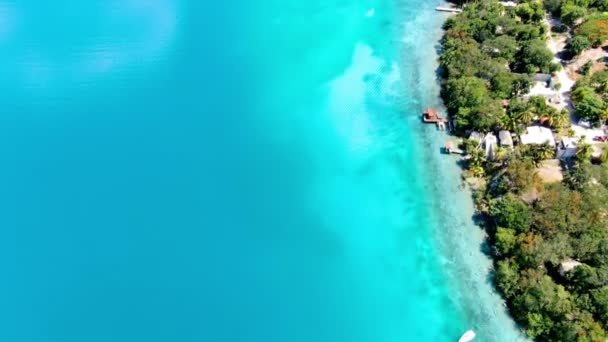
column 180, row 171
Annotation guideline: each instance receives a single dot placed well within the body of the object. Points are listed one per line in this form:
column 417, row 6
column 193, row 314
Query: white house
column 537, row 135
column 508, row 3
column 476, row 136
column 505, row 139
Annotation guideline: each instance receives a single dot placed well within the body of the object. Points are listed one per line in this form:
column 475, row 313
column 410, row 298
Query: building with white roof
column 537, row 135
column 508, row 3
column 567, row 148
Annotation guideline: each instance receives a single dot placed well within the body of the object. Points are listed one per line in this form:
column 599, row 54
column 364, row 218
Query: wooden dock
column 450, row 149
column 430, row 116
column 448, row 9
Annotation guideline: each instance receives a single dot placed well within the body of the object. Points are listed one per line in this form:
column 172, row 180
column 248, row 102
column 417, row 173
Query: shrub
column 578, row 44
column 513, row 213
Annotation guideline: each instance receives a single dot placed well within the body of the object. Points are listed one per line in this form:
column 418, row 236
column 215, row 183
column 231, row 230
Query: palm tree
column 604, row 115
column 546, row 151
column 560, row 120
column 583, row 152
column 477, row 171
column 526, row 117
column 604, row 156
column 500, row 154
column 603, row 86
column 509, row 122
column 477, row 158
column 538, row 153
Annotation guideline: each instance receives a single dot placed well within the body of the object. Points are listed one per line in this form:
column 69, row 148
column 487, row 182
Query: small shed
column 567, row 148
column 567, row 265
column 508, row 3
column 537, row 135
column 505, row 139
column 476, row 136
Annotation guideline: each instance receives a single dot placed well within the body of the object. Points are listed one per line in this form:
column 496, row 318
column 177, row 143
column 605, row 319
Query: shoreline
column 459, row 240
column 517, row 188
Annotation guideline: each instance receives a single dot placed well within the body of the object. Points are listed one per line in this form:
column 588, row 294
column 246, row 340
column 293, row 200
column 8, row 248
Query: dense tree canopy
column 589, row 95
column 535, row 57
column 578, row 44
column 489, row 51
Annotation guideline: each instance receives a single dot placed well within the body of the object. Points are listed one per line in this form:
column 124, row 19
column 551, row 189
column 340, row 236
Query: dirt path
column 556, row 46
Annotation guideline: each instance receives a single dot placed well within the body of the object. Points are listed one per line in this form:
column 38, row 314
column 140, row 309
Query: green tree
column 512, row 213
column 476, row 171
column 521, row 85
column 502, row 85
column 535, row 56
column 487, row 115
column 579, row 327
column 538, row 153
column 583, row 278
column 590, row 107
column 582, row 91
column 578, row 44
column 507, row 277
column 477, row 158
column 505, row 240
column 465, row 92
column 556, row 247
column 537, row 325
column 570, row 13
column 583, row 152
column 462, row 60
column 599, row 298
column 559, row 210
column 560, row 119
column 579, row 176
column 525, row 12
column 599, row 81
column 510, row 123
column 502, row 47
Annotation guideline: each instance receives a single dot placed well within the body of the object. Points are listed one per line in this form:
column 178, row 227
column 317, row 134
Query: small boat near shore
column 467, row 336
column 448, row 9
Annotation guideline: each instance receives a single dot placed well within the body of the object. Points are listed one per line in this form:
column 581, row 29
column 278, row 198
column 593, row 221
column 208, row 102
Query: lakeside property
column 534, row 136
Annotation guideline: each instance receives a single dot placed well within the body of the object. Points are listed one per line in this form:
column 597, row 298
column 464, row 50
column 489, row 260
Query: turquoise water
column 175, row 170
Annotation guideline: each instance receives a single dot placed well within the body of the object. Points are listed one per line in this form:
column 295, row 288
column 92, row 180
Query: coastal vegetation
column 490, row 54
column 549, row 239
column 590, row 94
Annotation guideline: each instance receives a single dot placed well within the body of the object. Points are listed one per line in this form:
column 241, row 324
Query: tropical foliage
column 534, row 227
column 590, row 96
column 532, row 239
column 489, row 51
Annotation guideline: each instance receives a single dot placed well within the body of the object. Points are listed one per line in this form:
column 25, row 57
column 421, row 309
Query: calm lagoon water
column 176, row 170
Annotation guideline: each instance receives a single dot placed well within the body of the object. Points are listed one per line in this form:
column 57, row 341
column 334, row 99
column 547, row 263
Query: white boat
column 467, row 336
column 370, row 13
